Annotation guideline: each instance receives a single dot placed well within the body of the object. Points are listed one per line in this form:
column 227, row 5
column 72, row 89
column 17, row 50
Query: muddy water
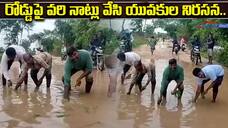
column 46, row 108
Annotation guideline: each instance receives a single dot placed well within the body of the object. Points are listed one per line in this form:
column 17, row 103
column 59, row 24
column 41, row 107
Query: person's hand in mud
column 78, row 82
column 193, row 101
column 174, row 92
column 39, row 82
column 10, row 83
column 17, row 86
column 203, row 95
column 128, row 76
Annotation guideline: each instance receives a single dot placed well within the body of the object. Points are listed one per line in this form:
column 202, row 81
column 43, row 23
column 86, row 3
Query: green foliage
column 1, row 52
column 168, row 25
column 57, row 46
column 138, row 40
column 26, row 44
column 12, row 30
column 111, row 40
column 47, row 39
column 188, row 28
column 149, row 30
column 111, row 45
column 222, row 56
column 84, row 31
column 137, row 25
column 64, row 30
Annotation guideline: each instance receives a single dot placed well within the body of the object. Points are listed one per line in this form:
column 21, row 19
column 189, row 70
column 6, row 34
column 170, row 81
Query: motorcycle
column 63, row 54
column 122, row 46
column 195, row 54
column 152, row 49
column 183, row 47
column 125, row 46
column 98, row 57
column 176, row 48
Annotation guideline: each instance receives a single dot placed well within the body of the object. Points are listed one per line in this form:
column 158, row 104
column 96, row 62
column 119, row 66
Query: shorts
column 210, row 52
column 126, row 68
column 218, row 82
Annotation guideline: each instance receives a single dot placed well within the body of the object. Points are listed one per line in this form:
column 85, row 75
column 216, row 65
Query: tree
column 123, row 24
column 25, row 43
column 137, row 25
column 84, row 30
column 45, row 38
column 13, row 28
column 149, row 30
column 64, row 30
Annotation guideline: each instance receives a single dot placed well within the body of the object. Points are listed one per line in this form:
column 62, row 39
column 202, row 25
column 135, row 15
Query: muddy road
column 46, row 108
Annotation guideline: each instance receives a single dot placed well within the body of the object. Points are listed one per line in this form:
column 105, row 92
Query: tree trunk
column 123, row 24
column 19, row 42
column 110, row 23
column 144, row 26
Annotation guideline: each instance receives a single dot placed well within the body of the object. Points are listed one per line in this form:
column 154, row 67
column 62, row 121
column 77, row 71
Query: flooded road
column 46, row 108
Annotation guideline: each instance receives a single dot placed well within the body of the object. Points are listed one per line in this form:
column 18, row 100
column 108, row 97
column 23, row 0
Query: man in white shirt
column 12, row 53
column 129, row 58
column 214, row 73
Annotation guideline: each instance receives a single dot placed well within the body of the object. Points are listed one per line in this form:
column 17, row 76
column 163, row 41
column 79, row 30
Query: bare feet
column 109, row 94
column 128, row 76
column 143, row 88
column 122, row 79
column 203, row 96
column 159, row 101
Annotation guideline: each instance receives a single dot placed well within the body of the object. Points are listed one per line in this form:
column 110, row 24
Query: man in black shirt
column 210, row 45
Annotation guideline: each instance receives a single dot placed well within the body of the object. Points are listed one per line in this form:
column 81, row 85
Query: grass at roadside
column 218, row 57
column 138, row 40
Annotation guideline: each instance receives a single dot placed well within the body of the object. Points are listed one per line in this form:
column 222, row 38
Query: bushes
column 138, row 40
column 222, row 57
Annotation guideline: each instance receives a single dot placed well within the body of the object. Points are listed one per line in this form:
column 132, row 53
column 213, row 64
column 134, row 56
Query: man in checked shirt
column 35, row 63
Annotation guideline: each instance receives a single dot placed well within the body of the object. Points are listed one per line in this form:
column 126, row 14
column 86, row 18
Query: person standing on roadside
column 210, row 45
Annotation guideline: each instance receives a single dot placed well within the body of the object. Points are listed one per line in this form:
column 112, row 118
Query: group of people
column 210, row 46
column 173, row 71
column 81, row 60
column 27, row 61
column 196, row 43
